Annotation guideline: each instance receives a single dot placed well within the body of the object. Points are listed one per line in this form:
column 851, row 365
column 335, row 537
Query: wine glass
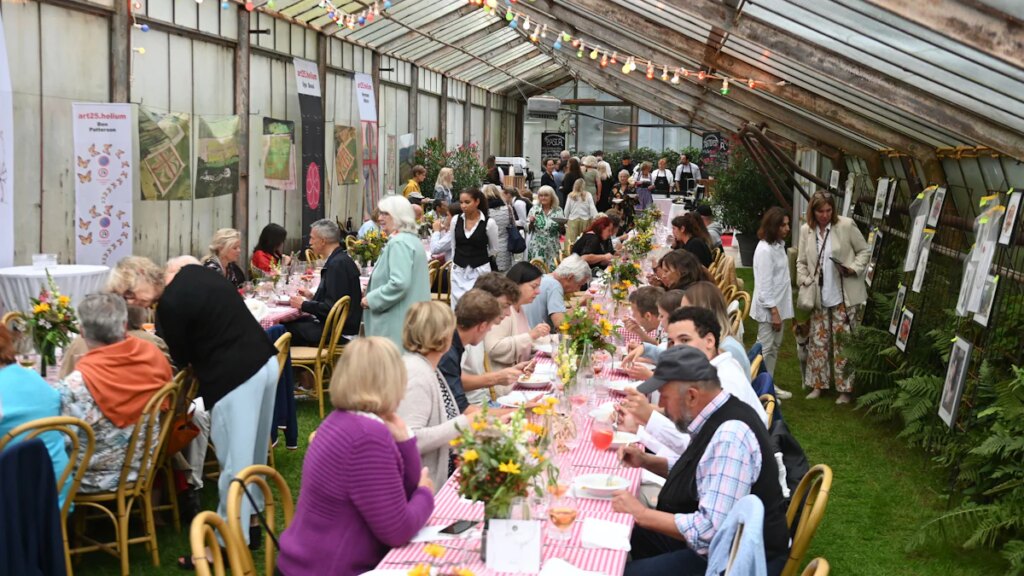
column 25, row 351
column 248, row 290
column 562, row 511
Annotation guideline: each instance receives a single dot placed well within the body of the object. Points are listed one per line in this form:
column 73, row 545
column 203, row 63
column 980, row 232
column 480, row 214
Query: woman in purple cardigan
column 363, row 490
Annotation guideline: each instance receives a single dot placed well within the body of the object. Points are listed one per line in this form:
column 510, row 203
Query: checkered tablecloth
column 449, row 507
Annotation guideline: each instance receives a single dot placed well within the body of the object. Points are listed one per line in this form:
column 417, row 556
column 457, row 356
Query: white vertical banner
column 103, row 182
column 365, row 97
column 6, row 157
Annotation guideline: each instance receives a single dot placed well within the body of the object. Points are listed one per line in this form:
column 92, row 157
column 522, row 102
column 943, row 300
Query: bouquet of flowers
column 567, row 362
column 588, row 325
column 646, row 220
column 368, row 248
column 52, row 322
column 640, row 244
column 499, row 461
column 622, row 275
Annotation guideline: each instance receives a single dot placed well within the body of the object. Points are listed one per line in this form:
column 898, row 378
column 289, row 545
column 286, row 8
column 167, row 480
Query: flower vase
column 47, row 356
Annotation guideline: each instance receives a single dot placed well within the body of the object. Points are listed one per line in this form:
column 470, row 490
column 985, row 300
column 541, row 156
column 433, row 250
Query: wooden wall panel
column 151, row 87
column 212, row 95
column 179, row 67
column 260, row 96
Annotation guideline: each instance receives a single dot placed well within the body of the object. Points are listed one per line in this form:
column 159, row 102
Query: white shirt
column 663, row 173
column 692, row 168
column 772, row 286
column 580, row 209
column 473, row 363
column 669, row 442
column 831, row 294
column 735, row 382
column 441, row 243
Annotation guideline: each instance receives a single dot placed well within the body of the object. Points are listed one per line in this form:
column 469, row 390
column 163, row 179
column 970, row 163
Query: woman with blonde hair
column 591, row 177
column 544, row 228
column 502, row 215
column 386, row 496
column 579, row 211
column 429, row 405
column 225, row 249
column 443, row 185
column 706, row 295
column 400, row 278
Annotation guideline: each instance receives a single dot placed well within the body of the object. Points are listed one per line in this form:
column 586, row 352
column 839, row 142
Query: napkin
column 648, row 477
column 559, row 567
column 604, row 534
column 257, row 308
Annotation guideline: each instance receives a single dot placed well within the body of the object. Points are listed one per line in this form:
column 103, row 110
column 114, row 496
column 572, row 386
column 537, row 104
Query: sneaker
column 782, row 394
column 816, row 393
column 291, row 447
column 844, row 399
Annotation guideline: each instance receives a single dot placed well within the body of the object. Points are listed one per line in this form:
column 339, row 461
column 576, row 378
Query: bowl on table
column 601, row 485
column 621, row 385
column 621, row 439
column 535, row 380
column 517, row 398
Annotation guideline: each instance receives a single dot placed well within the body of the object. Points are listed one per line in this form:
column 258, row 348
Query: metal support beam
column 414, row 105
column 485, row 146
column 457, row 71
column 972, row 24
column 120, row 53
column 442, row 114
column 462, row 42
column 240, row 215
column 429, row 27
column 467, row 117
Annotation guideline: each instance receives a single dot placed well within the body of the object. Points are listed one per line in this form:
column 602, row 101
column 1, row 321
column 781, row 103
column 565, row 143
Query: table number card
column 514, row 545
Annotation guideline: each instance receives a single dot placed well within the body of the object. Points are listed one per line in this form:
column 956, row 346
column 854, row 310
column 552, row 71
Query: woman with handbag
column 544, row 227
column 830, row 273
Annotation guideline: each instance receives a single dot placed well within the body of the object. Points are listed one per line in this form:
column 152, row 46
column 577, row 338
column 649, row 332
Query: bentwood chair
column 741, row 313
column 79, row 454
column 148, row 440
column 444, row 293
column 202, row 536
column 806, row 510
column 768, row 401
column 283, row 345
column 350, row 242
column 319, row 361
column 817, row 567
column 10, row 318
column 755, row 366
column 261, row 478
column 189, row 388
column 539, row 263
column 433, row 270
column 310, row 256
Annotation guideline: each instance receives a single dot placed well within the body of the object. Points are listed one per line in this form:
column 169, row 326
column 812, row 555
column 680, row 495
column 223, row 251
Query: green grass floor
column 882, row 491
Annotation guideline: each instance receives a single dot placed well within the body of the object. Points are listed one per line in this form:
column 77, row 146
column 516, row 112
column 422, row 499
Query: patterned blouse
column 104, row 472
column 451, row 410
column 234, row 273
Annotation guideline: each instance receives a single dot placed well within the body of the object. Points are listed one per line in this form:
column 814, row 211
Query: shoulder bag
column 809, row 296
column 516, row 243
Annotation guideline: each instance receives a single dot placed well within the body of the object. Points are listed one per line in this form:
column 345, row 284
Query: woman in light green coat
column 400, row 278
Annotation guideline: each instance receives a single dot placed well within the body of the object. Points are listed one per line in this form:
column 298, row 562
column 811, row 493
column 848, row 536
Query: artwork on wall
column 346, row 156
column 880, row 196
column 936, row 207
column 1010, row 219
column 897, row 309
column 875, row 244
column 279, row 154
column 956, row 377
column 922, row 260
column 988, row 297
column 165, row 152
column 903, row 332
column 217, row 162
column 406, row 151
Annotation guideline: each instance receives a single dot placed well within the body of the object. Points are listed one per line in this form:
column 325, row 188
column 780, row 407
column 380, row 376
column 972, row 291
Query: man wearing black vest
column 729, row 457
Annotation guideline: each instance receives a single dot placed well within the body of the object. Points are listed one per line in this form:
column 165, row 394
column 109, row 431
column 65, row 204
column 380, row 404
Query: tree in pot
column 742, row 195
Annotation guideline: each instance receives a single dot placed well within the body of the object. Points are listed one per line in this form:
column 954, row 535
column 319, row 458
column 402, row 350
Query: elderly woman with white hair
column 225, row 249
column 543, row 224
column 549, row 305
column 400, row 278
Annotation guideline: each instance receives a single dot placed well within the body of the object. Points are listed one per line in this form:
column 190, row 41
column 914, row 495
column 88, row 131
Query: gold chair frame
column 768, row 401
column 433, row 271
column 742, row 312
column 189, row 388
column 442, row 294
column 755, row 366
column 155, row 427
column 202, row 536
column 283, row 345
column 540, row 264
column 259, row 475
column 73, row 471
column 350, row 241
column 10, row 317
column 320, row 360
column 817, row 567
column 809, row 501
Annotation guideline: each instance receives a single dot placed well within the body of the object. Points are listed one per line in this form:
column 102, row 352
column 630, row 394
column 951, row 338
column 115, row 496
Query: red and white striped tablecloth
column 279, row 315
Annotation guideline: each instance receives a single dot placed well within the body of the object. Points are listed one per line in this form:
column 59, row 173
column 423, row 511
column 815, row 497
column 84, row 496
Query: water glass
column 562, row 512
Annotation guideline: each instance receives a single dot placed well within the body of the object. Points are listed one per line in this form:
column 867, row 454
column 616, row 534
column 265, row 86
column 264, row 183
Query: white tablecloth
column 20, row 283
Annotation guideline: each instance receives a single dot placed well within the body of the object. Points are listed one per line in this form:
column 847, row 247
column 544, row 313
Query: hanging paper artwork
column 922, row 260
column 279, row 154
column 988, row 297
column 897, row 309
column 875, row 244
column 406, row 151
column 1010, row 219
column 956, row 377
column 893, row 188
column 217, row 164
column 919, row 209
column 903, row 332
column 165, row 149
column 346, row 157
column 391, row 164
column 936, row 211
column 880, row 196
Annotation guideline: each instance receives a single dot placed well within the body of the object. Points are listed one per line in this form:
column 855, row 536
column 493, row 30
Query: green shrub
column 463, row 160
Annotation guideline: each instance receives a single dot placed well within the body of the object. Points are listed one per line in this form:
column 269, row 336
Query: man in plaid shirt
column 729, row 457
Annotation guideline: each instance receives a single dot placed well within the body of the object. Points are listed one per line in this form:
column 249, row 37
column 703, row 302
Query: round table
column 18, row 284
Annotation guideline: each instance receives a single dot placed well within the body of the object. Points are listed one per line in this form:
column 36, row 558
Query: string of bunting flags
column 604, row 57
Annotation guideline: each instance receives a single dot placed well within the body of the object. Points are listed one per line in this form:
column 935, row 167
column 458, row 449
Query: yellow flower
column 470, row 455
column 564, row 327
column 420, row 570
column 63, row 301
column 464, row 572
column 536, row 428
column 435, row 550
column 551, row 401
column 510, row 467
column 455, row 442
column 627, row 283
column 606, row 327
column 40, row 308
column 478, row 425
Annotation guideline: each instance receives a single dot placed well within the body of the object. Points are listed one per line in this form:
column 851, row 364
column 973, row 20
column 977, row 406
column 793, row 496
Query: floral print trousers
column 825, row 359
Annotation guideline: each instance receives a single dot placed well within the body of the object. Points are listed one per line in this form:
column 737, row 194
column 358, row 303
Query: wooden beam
column 240, row 215
column 120, row 53
column 442, row 114
column 429, row 27
column 467, row 117
column 973, row 24
column 414, row 105
column 485, row 146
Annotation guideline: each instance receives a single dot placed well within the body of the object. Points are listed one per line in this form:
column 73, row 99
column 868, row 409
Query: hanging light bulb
column 513, row 24
column 387, row 4
column 701, row 75
column 526, row 24
column 686, row 73
column 632, row 64
column 376, row 9
column 533, row 37
column 225, row 5
column 566, row 37
column 725, row 87
column 664, row 73
column 650, row 71
column 675, row 77
column 579, row 53
column 140, row 50
column 557, row 45
column 751, row 83
column 544, row 31
column 321, row 4
column 614, row 59
column 593, row 54
column 575, row 42
column 509, row 16
column 270, row 3
column 604, row 60
column 625, row 68
column 199, row 1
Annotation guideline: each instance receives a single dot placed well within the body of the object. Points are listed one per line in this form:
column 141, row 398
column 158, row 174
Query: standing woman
column 690, row 234
column 443, row 186
column 606, row 181
column 400, row 278
column 773, row 295
column 663, row 178
column 579, row 210
column 832, row 259
column 572, row 174
column 644, row 181
column 225, row 249
column 622, row 192
column 501, row 214
column 543, row 243
column 591, row 178
column 268, row 248
column 476, row 240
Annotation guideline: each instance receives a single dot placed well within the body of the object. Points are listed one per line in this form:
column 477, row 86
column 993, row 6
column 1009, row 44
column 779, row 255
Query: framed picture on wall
column 936, row 209
column 893, row 188
column 903, row 332
column 901, row 297
column 956, row 376
column 880, row 196
column 988, row 297
column 1010, row 219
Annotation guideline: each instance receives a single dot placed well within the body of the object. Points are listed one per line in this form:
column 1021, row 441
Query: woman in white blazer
column 830, row 272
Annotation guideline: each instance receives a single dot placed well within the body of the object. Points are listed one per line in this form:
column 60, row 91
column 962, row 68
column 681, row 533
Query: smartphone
column 459, row 526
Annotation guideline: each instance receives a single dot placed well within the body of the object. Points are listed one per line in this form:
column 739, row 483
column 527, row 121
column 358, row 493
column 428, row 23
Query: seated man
column 549, row 305
column 475, row 314
column 729, row 457
column 110, row 387
column 477, row 382
column 339, row 278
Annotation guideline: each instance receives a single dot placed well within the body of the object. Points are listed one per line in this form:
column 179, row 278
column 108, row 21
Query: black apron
column 686, row 180
column 661, row 182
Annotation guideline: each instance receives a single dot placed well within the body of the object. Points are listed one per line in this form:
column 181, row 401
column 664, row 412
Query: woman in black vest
column 476, row 239
column 663, row 178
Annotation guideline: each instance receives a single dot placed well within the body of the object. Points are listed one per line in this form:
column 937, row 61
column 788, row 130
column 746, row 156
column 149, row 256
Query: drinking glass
column 248, row 290
column 601, row 434
column 562, row 511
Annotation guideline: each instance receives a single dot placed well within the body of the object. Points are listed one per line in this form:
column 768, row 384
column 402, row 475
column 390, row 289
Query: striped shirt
column 726, row 472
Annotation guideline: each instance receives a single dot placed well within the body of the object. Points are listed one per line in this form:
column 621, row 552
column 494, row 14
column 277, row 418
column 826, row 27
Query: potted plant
column 742, row 195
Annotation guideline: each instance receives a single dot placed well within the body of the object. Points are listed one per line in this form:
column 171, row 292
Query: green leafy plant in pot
column 741, row 197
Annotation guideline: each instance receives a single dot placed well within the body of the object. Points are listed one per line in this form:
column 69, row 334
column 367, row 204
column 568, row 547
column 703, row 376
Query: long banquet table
column 585, row 459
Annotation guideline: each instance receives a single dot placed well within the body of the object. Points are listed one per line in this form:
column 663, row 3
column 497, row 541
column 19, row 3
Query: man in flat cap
column 729, row 456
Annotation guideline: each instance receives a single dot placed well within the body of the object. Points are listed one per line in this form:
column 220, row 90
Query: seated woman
column 110, row 387
column 678, row 269
column 707, row 295
column 429, row 405
column 594, row 246
column 24, row 397
column 348, row 527
column 225, row 249
column 137, row 319
column 511, row 341
column 690, row 234
column 268, row 248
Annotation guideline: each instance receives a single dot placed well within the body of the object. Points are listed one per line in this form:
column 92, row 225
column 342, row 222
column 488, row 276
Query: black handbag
column 516, row 243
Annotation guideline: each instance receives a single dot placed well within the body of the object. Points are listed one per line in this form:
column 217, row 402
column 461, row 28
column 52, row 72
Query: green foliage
column 463, row 160
column 742, row 194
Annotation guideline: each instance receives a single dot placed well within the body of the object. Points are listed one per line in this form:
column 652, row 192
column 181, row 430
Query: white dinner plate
column 545, row 347
column 603, row 412
column 600, row 485
column 621, row 385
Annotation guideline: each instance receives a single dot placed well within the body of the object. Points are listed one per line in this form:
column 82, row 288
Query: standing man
column 687, row 174
column 339, row 278
column 419, row 174
column 563, row 160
